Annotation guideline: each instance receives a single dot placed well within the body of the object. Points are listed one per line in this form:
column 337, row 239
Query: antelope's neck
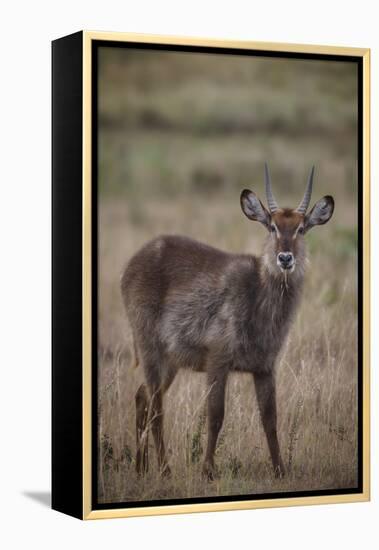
column 281, row 293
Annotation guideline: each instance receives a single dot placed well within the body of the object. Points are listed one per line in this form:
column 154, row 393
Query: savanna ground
column 180, row 136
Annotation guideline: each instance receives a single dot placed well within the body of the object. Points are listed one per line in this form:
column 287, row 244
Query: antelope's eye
column 301, row 230
column 272, row 228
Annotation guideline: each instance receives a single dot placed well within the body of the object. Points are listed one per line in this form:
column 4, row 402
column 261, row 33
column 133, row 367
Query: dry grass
column 317, row 392
column 167, row 174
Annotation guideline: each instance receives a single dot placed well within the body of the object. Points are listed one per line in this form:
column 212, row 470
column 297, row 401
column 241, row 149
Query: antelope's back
column 169, row 264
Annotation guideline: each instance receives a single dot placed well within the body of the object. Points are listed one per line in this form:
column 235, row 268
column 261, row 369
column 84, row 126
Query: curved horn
column 272, row 204
column 303, row 206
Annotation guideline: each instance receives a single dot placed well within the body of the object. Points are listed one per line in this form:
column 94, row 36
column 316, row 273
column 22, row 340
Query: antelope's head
column 285, row 245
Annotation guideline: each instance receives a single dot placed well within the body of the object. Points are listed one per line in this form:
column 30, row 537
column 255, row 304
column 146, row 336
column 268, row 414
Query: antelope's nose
column 285, row 260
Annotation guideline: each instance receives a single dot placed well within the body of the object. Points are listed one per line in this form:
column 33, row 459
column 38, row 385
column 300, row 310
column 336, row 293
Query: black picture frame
column 74, row 256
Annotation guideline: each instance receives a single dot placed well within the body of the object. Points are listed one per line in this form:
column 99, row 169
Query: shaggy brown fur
column 194, row 306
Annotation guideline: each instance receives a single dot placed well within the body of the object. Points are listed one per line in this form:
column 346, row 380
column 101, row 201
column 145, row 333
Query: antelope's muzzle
column 286, row 260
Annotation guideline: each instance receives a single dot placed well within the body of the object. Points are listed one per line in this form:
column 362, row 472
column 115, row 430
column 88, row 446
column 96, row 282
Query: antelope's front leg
column 216, row 408
column 266, row 396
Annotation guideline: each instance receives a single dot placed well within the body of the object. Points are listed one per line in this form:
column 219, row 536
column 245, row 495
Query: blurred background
column 180, row 135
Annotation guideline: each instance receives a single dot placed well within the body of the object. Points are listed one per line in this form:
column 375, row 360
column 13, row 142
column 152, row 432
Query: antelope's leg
column 216, row 408
column 266, row 396
column 156, row 421
column 142, row 432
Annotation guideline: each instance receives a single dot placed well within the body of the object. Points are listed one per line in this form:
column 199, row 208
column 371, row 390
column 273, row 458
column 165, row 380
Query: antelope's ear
column 320, row 213
column 253, row 208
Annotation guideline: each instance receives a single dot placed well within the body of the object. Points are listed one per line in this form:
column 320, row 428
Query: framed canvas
column 210, row 275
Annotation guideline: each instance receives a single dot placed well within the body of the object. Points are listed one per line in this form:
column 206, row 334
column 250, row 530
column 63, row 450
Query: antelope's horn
column 303, row 206
column 272, row 204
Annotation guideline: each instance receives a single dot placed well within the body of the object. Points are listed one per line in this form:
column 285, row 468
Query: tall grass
column 316, row 379
column 179, row 138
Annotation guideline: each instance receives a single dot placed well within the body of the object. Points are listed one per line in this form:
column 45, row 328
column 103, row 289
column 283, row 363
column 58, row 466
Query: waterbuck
column 193, row 306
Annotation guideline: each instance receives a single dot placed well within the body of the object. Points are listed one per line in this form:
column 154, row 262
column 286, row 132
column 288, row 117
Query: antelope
column 193, row 306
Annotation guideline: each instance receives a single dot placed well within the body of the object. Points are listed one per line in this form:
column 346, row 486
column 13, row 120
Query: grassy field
column 180, row 136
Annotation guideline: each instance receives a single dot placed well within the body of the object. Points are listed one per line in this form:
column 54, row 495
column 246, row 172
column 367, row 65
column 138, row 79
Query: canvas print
column 227, row 275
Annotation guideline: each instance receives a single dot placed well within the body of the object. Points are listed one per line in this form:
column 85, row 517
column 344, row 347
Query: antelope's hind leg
column 155, row 420
column 142, row 431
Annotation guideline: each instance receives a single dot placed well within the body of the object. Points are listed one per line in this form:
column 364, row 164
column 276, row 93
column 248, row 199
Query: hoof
column 279, row 472
column 209, row 472
column 165, row 471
